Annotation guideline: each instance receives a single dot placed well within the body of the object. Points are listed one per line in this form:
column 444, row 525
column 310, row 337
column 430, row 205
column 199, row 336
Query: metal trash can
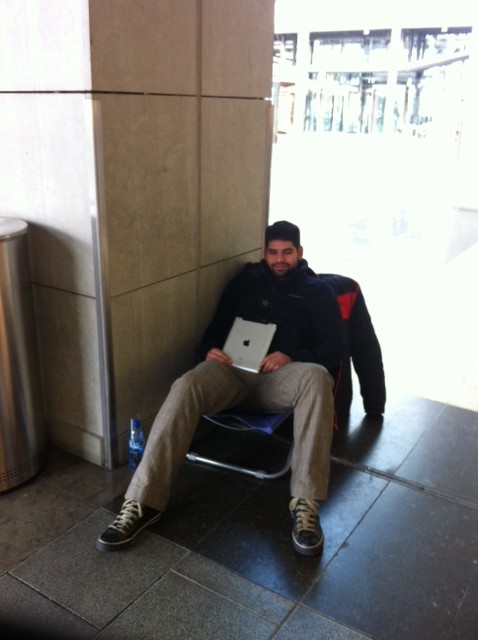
column 22, row 436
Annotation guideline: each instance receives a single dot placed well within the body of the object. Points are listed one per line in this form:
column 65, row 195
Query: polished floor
column 401, row 555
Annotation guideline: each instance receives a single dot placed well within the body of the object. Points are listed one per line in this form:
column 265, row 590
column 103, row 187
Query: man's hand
column 218, row 356
column 274, row 361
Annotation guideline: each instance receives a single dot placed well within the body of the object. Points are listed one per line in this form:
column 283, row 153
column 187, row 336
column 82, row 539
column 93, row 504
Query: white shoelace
column 305, row 512
column 130, row 512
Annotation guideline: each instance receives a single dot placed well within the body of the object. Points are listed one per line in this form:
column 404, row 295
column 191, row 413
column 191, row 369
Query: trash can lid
column 12, row 227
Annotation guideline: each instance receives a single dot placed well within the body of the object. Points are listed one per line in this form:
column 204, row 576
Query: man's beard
column 284, row 271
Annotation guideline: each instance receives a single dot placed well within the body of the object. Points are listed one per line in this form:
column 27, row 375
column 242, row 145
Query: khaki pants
column 211, row 387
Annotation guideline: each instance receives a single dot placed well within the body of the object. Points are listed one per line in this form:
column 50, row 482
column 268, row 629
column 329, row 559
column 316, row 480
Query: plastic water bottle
column 136, row 445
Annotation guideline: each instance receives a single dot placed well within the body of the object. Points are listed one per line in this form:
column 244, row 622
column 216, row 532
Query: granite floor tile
column 255, row 542
column 255, row 539
column 215, row 577
column 83, row 478
column 305, row 623
column 446, row 457
column 465, row 624
column 351, row 495
column 33, row 515
column 404, row 570
column 175, row 607
column 25, row 613
column 385, row 446
column 95, row 585
column 201, row 498
column 356, row 440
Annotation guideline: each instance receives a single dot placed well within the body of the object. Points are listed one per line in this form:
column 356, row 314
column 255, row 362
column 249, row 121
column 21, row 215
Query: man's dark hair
column 285, row 231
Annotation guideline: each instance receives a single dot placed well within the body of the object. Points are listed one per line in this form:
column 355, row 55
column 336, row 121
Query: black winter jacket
column 362, row 350
column 304, row 308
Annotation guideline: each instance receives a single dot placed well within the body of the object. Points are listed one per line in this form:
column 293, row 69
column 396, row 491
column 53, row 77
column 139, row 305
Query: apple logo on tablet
column 246, row 343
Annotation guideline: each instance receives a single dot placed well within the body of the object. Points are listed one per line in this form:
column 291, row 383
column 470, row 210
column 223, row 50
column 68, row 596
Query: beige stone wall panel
column 237, row 47
column 69, row 358
column 150, row 168
column 46, row 168
column 235, row 157
column 154, row 337
column 213, row 279
column 144, row 46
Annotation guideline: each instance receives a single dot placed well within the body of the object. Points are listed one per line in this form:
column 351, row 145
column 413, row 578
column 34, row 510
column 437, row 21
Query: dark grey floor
column 400, row 560
column 401, row 523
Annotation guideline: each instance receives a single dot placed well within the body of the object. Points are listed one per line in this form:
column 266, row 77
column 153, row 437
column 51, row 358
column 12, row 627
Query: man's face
column 282, row 257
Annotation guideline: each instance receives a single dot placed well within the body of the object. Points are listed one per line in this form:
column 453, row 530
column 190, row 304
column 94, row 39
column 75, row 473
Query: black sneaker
column 132, row 519
column 307, row 535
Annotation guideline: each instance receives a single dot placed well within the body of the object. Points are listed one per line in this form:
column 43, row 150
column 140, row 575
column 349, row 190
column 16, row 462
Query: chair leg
column 256, row 473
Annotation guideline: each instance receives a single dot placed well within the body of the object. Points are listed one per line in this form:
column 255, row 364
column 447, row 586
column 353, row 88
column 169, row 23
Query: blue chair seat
column 265, row 422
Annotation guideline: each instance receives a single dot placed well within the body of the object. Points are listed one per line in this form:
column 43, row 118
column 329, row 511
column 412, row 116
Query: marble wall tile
column 44, row 45
column 69, row 358
column 149, row 46
column 154, row 340
column 151, row 185
column 235, row 161
column 46, row 165
column 237, row 48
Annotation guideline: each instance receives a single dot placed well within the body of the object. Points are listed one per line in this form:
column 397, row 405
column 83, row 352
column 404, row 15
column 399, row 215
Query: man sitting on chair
column 297, row 373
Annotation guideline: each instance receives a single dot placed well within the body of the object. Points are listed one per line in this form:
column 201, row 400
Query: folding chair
column 362, row 349
column 265, row 423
